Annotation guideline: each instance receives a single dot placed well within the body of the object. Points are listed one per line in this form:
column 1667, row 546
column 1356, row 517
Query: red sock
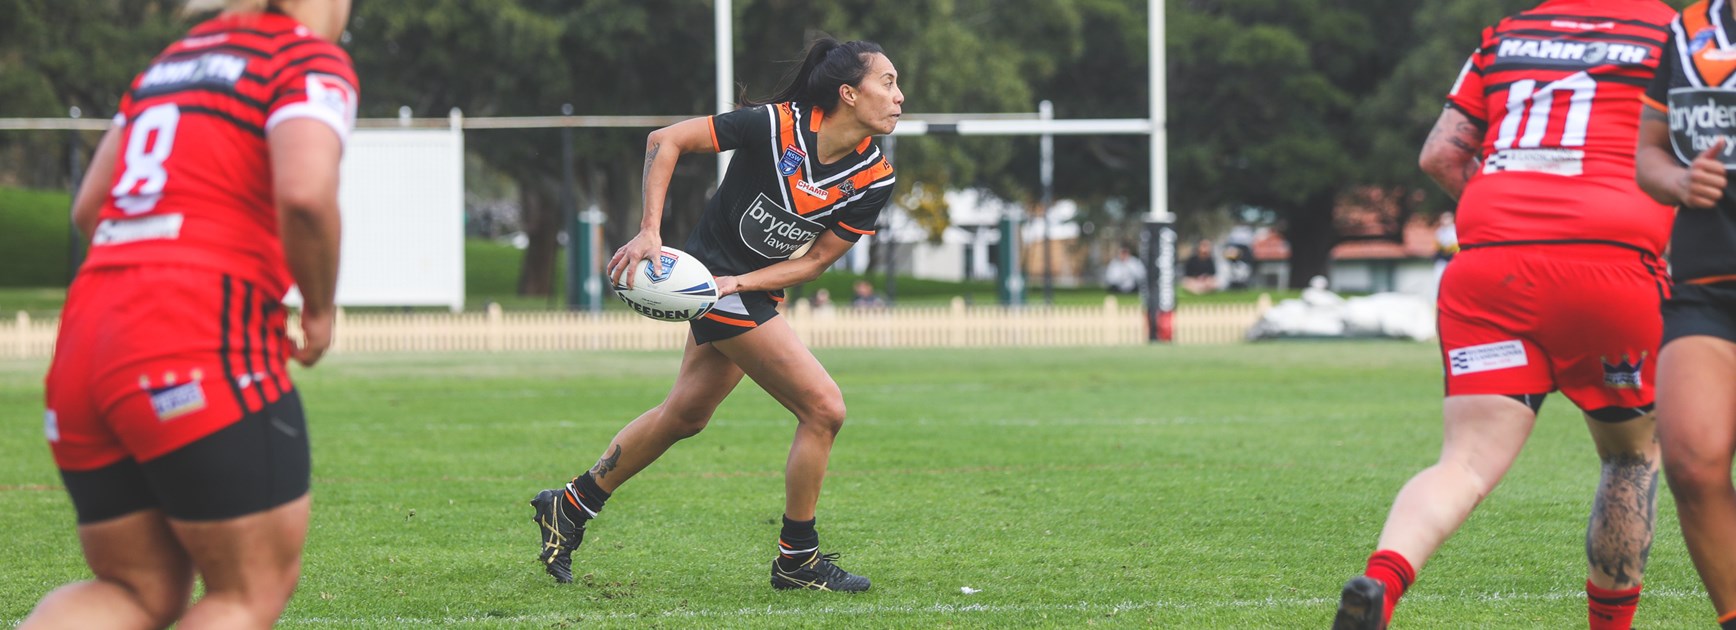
column 1611, row 610
column 1395, row 572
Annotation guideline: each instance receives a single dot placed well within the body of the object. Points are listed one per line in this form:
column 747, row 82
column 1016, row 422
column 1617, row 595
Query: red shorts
column 1531, row 319
column 150, row 359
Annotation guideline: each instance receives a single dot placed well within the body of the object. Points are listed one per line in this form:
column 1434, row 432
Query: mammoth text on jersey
column 771, row 231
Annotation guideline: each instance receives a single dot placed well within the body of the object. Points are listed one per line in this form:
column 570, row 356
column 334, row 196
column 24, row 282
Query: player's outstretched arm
column 1662, row 176
column 1452, row 153
column 826, row 250
column 304, row 172
column 662, row 149
column 93, row 192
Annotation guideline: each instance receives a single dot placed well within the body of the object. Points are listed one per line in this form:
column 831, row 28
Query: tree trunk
column 1312, row 235
column 540, row 202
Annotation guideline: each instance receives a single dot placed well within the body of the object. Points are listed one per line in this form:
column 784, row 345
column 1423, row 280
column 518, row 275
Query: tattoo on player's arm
column 650, row 156
column 1467, row 138
column 1469, row 170
column 607, row 463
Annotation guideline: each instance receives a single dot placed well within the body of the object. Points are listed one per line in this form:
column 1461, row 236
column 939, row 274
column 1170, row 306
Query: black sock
column 1727, row 624
column 797, row 543
column 583, row 498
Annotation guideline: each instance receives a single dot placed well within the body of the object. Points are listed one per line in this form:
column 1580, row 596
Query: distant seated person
column 1124, row 273
column 865, row 297
column 822, row 302
column 1200, row 273
column 1239, row 260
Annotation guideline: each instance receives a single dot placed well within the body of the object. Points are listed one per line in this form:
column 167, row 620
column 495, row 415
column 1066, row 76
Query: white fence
column 1111, row 324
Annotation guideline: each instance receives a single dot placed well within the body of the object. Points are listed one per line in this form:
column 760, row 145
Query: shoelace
column 825, row 565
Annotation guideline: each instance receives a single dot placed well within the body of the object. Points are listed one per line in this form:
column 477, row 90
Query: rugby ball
column 672, row 287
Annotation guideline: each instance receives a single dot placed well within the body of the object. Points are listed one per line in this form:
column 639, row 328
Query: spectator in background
column 822, row 303
column 865, row 297
column 1446, row 244
column 1200, row 273
column 1124, row 273
column 1239, row 259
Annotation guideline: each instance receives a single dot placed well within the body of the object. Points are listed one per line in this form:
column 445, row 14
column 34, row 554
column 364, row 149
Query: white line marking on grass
column 944, row 608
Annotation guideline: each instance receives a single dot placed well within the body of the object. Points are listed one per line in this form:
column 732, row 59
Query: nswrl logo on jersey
column 791, row 161
column 1624, row 375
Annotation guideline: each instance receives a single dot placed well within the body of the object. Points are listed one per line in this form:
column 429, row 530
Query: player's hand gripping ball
column 673, row 287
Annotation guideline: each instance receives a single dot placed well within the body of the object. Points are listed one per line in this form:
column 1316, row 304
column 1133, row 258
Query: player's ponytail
column 828, row 64
column 203, row 6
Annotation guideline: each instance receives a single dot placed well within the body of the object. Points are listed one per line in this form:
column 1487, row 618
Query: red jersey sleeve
column 1467, row 94
column 314, row 80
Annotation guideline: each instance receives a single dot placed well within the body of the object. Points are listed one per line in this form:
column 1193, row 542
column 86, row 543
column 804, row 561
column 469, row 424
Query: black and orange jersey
column 1696, row 87
column 192, row 185
column 1557, row 90
column 777, row 196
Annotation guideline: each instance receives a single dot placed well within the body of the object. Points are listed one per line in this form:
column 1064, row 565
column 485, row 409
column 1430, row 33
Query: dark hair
column 828, row 64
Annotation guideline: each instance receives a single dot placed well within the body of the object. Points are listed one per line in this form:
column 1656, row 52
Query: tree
column 60, row 54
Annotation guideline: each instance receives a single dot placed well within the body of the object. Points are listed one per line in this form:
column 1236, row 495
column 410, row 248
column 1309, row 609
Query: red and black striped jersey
column 192, row 185
column 1557, row 90
column 1696, row 87
column 777, row 196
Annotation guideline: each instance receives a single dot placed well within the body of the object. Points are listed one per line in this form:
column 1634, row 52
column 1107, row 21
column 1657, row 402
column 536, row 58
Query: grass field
column 1201, row 487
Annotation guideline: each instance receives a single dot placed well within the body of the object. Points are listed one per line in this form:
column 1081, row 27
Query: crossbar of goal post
column 1157, row 240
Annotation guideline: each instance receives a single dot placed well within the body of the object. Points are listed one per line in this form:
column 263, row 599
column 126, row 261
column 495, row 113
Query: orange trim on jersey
column 864, row 145
column 847, row 227
column 778, row 298
column 711, row 121
column 1713, row 279
column 880, row 170
column 1696, row 18
column 1654, row 104
column 744, row 323
column 814, row 123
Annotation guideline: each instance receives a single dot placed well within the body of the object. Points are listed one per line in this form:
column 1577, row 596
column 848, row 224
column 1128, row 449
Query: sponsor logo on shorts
column 173, row 400
column 51, row 425
column 1624, row 375
column 773, row 232
column 1490, row 356
column 791, row 161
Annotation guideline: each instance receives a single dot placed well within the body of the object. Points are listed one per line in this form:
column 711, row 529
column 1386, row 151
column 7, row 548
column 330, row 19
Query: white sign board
column 402, row 196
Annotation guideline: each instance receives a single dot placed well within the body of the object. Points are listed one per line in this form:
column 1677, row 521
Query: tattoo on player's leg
column 607, row 463
column 1619, row 538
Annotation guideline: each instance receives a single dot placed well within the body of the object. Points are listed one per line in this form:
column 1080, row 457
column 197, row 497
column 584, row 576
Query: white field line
column 947, row 609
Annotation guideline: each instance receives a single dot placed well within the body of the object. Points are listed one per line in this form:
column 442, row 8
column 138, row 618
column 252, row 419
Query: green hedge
column 33, row 237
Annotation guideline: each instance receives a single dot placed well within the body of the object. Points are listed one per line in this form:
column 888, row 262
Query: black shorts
column 253, row 465
column 1695, row 309
column 736, row 314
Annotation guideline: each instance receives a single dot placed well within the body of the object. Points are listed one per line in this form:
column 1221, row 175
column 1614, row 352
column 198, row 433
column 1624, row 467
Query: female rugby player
column 806, row 174
column 1696, row 404
column 170, row 411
